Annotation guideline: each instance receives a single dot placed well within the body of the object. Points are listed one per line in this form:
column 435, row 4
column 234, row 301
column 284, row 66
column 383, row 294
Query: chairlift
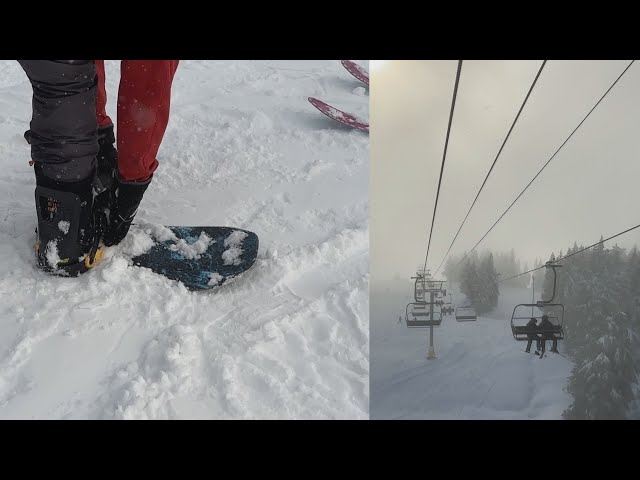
column 553, row 311
column 419, row 315
column 425, row 285
column 466, row 314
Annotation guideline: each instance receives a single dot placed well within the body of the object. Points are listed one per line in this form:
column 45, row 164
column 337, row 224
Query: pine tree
column 494, row 290
column 603, row 334
column 451, row 271
column 469, row 281
column 603, row 385
column 487, row 287
column 524, row 279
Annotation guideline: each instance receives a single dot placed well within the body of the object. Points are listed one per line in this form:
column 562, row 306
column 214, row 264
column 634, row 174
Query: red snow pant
column 144, row 97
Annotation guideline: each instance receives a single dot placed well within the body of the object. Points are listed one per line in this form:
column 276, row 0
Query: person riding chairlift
column 531, row 335
column 546, row 328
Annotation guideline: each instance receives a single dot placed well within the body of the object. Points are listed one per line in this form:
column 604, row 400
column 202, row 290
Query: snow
column 52, row 255
column 63, row 225
column 232, row 254
column 289, row 339
column 192, row 250
column 480, row 371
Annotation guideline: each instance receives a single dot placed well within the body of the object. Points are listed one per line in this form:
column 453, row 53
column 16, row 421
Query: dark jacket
column 531, row 326
column 546, row 326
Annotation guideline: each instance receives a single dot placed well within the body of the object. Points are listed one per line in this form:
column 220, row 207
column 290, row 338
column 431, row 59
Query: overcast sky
column 589, row 189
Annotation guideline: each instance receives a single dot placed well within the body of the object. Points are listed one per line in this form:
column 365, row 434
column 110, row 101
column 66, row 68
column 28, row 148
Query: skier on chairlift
column 531, row 335
column 546, row 328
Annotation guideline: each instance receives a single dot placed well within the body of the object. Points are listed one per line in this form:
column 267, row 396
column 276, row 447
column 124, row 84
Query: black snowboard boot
column 125, row 199
column 117, row 200
column 67, row 243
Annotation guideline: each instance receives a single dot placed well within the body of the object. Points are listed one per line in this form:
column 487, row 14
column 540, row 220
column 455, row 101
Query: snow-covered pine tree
column 524, row 279
column 451, row 271
column 603, row 337
column 494, row 289
column 603, row 384
column 488, row 286
column 632, row 306
column 469, row 281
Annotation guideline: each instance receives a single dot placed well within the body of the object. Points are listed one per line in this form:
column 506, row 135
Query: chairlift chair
column 418, row 315
column 466, row 314
column 553, row 311
column 423, row 287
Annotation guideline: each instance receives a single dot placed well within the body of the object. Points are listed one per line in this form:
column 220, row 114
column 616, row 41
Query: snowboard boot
column 124, row 202
column 68, row 235
column 116, row 200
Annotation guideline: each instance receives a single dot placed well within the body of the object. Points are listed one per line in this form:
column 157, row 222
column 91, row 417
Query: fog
column 589, row 190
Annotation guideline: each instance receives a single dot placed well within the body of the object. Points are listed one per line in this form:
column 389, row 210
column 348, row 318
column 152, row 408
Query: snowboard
column 339, row 115
column 201, row 258
column 356, row 70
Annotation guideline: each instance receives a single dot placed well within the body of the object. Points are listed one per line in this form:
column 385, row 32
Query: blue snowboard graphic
column 202, row 258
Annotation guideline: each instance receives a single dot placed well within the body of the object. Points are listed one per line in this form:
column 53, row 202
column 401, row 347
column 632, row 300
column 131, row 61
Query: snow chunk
column 113, row 272
column 235, row 238
column 53, row 258
column 63, row 225
column 359, row 91
column 233, row 243
column 160, row 232
column 214, row 279
column 193, row 250
column 137, row 242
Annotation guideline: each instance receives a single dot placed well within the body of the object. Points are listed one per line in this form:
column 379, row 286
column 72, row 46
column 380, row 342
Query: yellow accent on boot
column 99, row 254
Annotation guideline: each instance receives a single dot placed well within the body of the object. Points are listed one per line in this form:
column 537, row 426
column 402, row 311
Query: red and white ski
column 356, row 70
column 339, row 115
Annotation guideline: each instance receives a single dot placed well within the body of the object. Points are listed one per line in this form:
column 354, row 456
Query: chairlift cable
column 548, row 161
column 574, row 253
column 444, row 156
column 535, row 80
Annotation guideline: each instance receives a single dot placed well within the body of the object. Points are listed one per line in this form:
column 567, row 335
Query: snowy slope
column 290, row 339
column 480, row 371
